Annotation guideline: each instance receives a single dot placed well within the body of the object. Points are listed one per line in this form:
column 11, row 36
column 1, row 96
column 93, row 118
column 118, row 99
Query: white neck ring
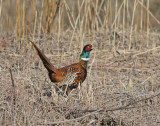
column 84, row 59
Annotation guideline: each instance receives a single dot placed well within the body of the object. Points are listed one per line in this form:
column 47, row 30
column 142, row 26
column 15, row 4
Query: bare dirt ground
column 122, row 87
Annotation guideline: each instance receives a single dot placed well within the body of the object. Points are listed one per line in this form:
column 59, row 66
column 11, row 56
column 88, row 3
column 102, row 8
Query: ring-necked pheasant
column 68, row 77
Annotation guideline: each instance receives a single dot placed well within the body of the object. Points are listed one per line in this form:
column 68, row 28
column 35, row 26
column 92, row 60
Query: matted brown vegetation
column 121, row 88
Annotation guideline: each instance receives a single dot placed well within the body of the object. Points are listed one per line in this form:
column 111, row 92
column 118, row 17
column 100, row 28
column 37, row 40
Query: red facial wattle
column 88, row 48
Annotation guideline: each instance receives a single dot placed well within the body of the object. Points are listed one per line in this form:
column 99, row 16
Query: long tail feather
column 48, row 65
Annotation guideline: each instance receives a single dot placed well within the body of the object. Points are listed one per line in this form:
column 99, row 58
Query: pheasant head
column 85, row 53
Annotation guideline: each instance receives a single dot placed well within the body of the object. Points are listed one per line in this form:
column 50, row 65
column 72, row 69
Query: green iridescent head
column 85, row 53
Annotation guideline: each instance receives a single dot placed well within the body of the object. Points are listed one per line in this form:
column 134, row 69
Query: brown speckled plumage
column 68, row 77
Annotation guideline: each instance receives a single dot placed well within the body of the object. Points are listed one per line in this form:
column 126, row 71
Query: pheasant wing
column 71, row 81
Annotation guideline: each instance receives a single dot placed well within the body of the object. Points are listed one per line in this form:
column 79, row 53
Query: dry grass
column 121, row 89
